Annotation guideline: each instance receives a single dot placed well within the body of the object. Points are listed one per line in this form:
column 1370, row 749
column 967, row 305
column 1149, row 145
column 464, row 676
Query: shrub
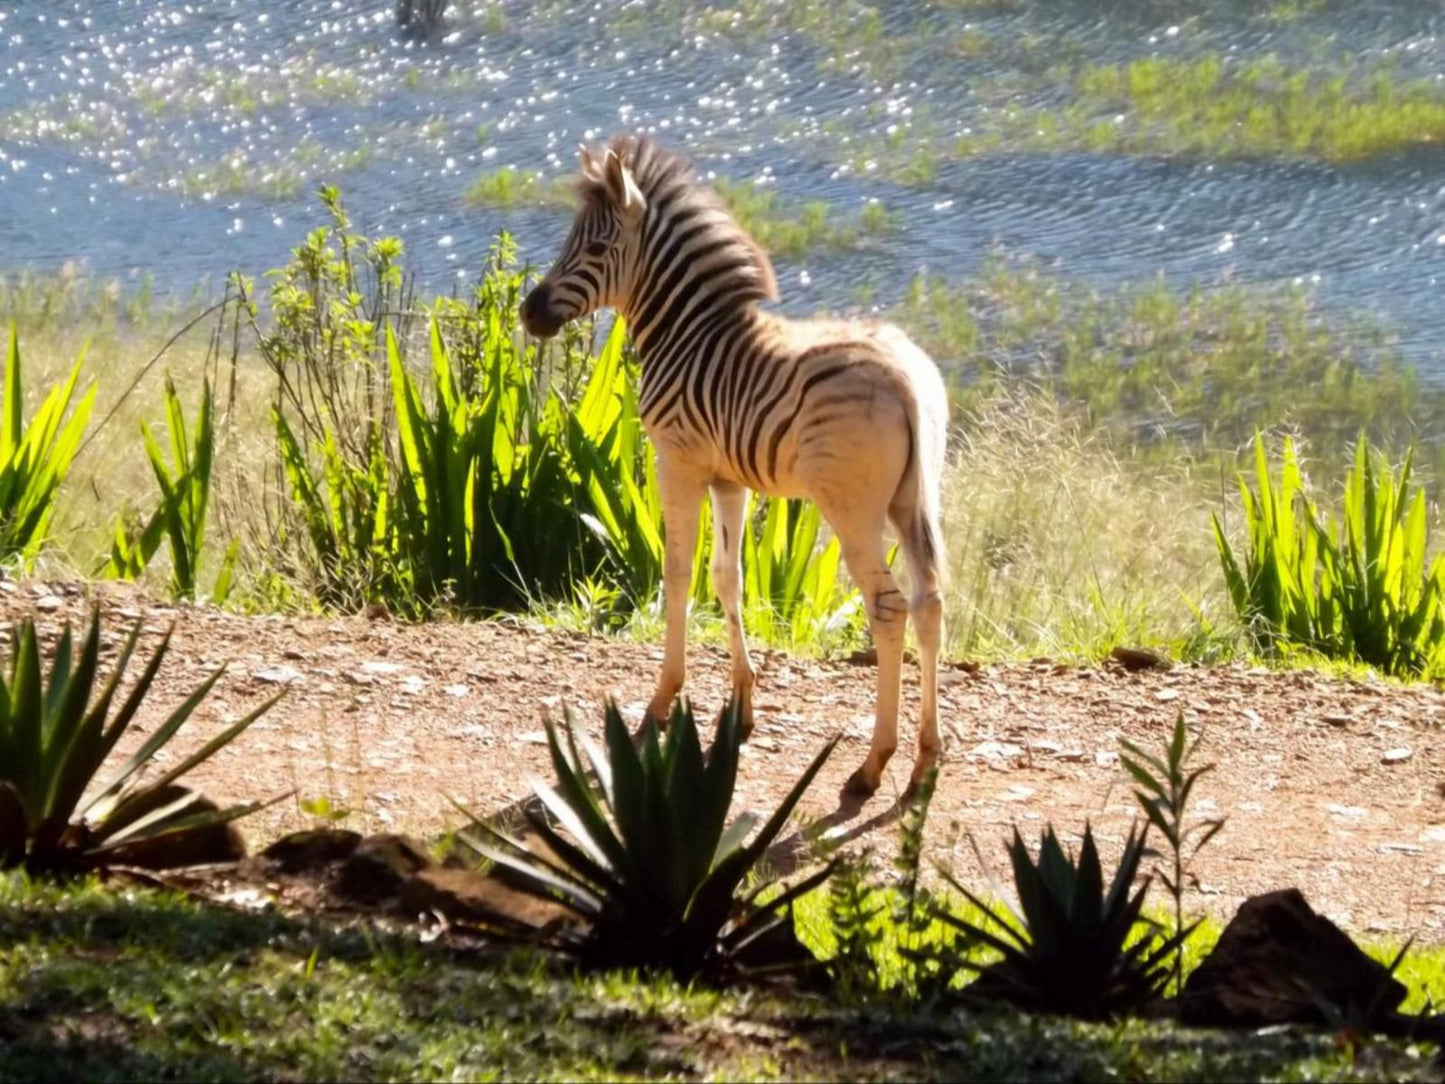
column 515, row 473
column 35, row 458
column 55, row 735
column 1360, row 587
column 648, row 861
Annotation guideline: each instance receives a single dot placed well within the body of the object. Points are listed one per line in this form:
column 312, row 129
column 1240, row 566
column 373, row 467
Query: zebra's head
column 596, row 265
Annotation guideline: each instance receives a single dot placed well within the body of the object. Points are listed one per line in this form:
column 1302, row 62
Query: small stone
column 1401, row 848
column 1397, row 755
column 1338, row 719
column 379, row 867
column 467, row 896
column 280, row 675
column 1166, row 695
column 358, row 678
column 375, row 667
column 457, row 691
column 1106, row 758
column 311, row 850
column 1140, row 658
column 1017, row 793
column 995, row 750
column 49, row 603
column 533, row 737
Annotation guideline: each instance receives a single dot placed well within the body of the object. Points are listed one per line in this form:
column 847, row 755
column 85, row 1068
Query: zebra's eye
column 596, row 248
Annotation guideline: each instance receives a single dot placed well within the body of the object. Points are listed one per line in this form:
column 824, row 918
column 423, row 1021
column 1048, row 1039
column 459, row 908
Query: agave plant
column 642, row 853
column 1072, row 947
column 56, row 810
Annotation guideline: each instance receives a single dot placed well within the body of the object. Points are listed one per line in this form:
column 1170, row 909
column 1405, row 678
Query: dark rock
column 378, row 868
column 198, row 847
column 1140, row 658
column 1277, row 962
column 313, row 849
column 465, row 895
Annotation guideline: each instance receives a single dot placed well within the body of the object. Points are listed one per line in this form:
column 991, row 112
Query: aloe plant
column 56, row 732
column 1361, row 587
column 1073, row 946
column 180, row 518
column 35, row 458
column 642, row 854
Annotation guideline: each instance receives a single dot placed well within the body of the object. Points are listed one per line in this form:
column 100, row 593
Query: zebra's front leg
column 729, row 515
column 681, row 494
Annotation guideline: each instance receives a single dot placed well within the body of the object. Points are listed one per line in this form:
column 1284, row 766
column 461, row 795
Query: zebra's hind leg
column 729, row 511
column 887, row 620
column 926, row 609
column 681, row 498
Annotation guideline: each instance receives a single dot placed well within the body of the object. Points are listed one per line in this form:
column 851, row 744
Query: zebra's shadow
column 819, row 839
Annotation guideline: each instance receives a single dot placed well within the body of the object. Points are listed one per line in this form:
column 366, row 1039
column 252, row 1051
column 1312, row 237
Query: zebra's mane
column 658, row 171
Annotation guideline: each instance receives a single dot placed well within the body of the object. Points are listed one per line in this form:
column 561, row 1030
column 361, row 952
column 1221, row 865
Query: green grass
column 114, row 983
column 1155, row 364
column 1213, row 107
column 1209, row 107
column 784, row 227
column 1098, row 429
column 509, row 186
column 790, row 229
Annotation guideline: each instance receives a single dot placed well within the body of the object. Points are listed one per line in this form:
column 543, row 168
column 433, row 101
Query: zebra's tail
column 917, row 503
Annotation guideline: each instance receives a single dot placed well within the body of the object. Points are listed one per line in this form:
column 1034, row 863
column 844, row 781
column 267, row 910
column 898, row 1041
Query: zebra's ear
column 590, row 168
column 621, row 187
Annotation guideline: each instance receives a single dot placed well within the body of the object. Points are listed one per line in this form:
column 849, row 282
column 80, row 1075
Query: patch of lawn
column 110, row 983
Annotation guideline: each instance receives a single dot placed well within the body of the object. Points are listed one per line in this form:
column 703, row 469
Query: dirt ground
column 1334, row 786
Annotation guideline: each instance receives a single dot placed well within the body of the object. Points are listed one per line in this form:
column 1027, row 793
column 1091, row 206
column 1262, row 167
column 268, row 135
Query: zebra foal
column 851, row 415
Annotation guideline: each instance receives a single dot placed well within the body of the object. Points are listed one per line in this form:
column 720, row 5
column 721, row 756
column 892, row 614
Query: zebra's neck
column 693, row 351
column 695, row 309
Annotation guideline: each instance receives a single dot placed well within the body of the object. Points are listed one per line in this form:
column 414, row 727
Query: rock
column 49, row 603
column 312, row 849
column 464, row 895
column 1397, row 756
column 1276, row 962
column 203, row 847
column 378, row 868
column 1140, row 658
column 277, row 675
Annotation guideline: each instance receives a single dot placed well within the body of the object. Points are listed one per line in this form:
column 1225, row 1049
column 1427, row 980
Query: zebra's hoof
column 659, row 721
column 860, row 786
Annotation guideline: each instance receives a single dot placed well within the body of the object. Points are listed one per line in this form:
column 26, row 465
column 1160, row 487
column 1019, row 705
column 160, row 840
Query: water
column 184, row 140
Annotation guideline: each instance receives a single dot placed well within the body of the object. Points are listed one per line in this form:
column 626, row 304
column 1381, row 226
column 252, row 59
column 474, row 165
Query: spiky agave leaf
column 1067, row 949
column 56, row 735
column 641, row 850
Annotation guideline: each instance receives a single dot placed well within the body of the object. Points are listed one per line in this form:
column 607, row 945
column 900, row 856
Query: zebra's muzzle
column 537, row 315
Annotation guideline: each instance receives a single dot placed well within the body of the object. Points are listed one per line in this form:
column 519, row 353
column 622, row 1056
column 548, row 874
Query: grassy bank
column 1096, row 433
column 122, row 983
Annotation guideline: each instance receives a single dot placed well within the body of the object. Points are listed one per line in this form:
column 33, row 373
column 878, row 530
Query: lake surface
column 183, row 140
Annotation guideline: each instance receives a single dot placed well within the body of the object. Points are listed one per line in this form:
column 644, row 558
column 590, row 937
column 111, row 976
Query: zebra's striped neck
column 695, row 293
